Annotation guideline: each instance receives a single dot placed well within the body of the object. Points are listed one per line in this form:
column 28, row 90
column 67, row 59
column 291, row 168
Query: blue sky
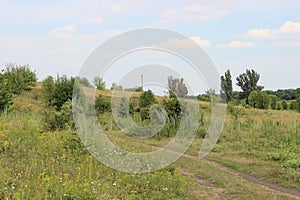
column 57, row 36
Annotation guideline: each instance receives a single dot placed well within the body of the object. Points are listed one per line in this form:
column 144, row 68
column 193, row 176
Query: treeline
column 253, row 95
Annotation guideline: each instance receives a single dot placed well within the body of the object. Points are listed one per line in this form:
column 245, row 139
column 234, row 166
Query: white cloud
column 194, row 13
column 185, row 43
column 93, row 21
column 236, row 44
column 66, row 32
column 201, row 42
column 289, row 28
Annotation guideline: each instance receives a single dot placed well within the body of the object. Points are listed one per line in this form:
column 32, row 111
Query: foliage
column 285, row 105
column 99, row 83
column 298, row 104
column 19, row 78
column 115, row 86
column 83, row 81
column 248, row 82
column 102, row 104
column 172, row 107
column 58, row 91
column 259, row 100
column 59, row 120
column 134, row 89
column 5, row 95
column 273, row 101
column 177, row 86
column 147, row 98
column 226, row 87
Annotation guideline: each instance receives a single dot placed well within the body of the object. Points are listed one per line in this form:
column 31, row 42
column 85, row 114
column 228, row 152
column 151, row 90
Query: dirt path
column 287, row 191
column 248, row 177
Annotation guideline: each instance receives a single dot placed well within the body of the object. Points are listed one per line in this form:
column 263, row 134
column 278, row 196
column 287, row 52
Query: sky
column 56, row 37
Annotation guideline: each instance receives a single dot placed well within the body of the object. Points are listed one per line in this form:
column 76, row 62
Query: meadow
column 36, row 163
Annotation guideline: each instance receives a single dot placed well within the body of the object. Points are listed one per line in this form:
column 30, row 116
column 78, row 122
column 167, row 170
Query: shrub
column 298, row 104
column 19, row 78
column 58, row 91
column 5, row 95
column 102, row 105
column 285, row 105
column 273, row 100
column 259, row 100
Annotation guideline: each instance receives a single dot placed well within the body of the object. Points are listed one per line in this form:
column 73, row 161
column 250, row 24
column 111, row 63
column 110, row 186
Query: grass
column 35, row 164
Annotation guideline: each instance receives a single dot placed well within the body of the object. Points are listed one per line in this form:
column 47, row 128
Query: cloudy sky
column 57, row 36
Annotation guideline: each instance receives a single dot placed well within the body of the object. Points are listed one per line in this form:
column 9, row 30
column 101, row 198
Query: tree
column 248, row 82
column 5, row 95
column 102, row 105
column 147, row 98
column 99, row 83
column 19, row 78
column 177, row 86
column 172, row 106
column 226, row 87
column 115, row 86
column 259, row 100
column 273, row 99
column 58, row 91
column 285, row 105
column 83, row 81
column 298, row 104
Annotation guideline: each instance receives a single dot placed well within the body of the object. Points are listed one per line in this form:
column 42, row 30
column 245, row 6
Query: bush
column 298, row 104
column 5, row 95
column 285, row 105
column 19, row 78
column 102, row 105
column 58, row 91
column 273, row 100
column 259, row 100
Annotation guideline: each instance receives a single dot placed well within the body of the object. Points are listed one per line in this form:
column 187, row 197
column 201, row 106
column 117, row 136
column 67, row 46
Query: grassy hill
column 40, row 164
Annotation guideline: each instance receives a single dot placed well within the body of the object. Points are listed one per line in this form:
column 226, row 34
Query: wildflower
column 114, row 184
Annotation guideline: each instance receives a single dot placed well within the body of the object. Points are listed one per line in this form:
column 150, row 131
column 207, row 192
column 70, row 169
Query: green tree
column 5, row 95
column 177, row 86
column 99, row 83
column 19, row 78
column 58, row 91
column 226, row 87
column 298, row 104
column 172, row 107
column 248, row 82
column 146, row 99
column 259, row 100
column 102, row 105
column 83, row 81
column 115, row 86
column 285, row 105
column 273, row 99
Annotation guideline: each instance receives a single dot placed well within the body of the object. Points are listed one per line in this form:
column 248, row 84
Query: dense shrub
column 19, row 78
column 259, row 100
column 102, row 104
column 5, row 95
column 58, row 91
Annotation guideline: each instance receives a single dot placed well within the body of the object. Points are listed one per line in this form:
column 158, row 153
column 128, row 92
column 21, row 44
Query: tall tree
column 248, row 82
column 226, row 87
column 177, row 86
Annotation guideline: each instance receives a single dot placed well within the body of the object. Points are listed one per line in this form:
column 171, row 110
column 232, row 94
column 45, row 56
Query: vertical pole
column 142, row 81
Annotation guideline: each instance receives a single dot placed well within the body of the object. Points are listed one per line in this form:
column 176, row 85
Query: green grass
column 35, row 164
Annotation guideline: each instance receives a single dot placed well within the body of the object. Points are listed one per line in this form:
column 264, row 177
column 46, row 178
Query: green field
column 40, row 164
